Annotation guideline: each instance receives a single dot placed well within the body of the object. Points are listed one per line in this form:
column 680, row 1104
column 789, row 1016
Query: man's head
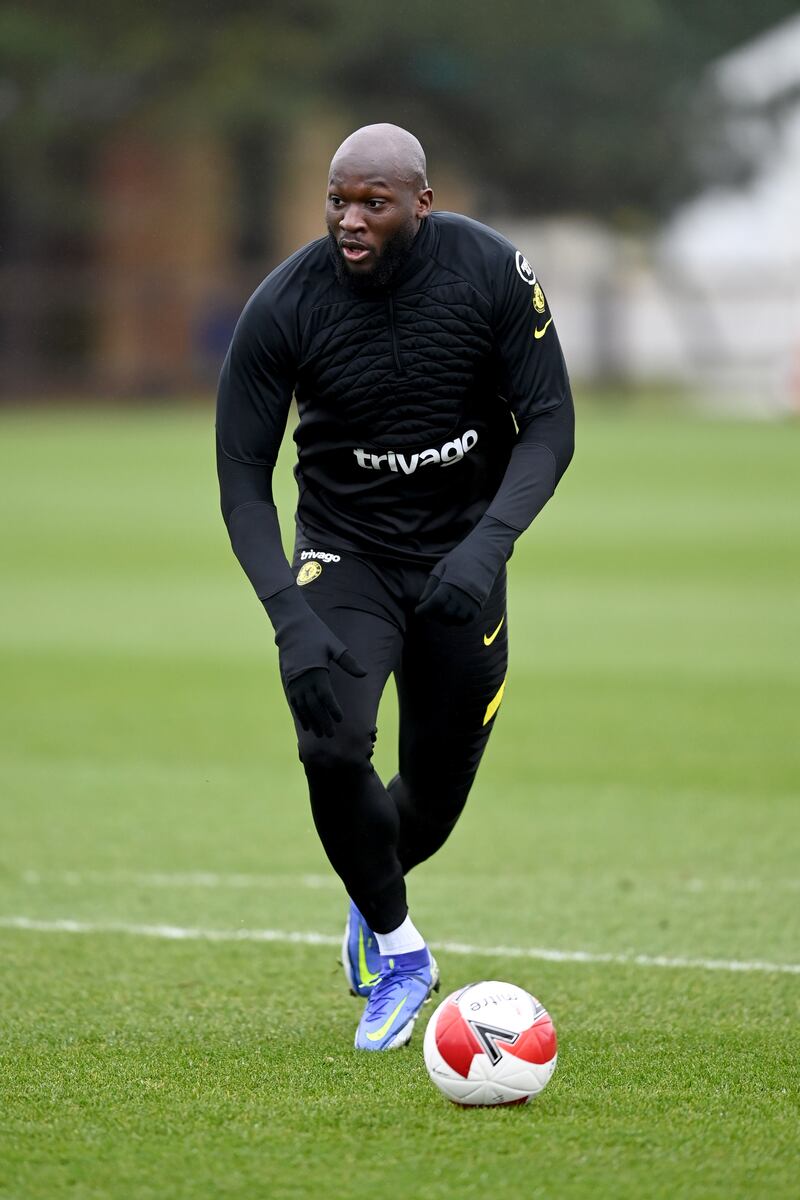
column 378, row 195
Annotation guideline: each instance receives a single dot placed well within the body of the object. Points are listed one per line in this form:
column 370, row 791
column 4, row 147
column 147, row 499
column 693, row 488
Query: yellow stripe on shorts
column 494, row 703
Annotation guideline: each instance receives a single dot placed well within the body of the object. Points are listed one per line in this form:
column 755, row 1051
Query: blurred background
column 638, row 806
column 157, row 159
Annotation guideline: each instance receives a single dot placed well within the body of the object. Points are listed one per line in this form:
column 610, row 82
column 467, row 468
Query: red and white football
column 490, row 1043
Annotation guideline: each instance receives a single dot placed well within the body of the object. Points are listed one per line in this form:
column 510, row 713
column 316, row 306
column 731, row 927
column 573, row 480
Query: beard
column 392, row 257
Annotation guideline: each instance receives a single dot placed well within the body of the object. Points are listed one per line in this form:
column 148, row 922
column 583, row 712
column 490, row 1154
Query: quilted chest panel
column 397, row 371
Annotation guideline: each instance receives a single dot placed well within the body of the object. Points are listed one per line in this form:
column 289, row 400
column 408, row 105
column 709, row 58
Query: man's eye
column 334, row 200
column 375, row 203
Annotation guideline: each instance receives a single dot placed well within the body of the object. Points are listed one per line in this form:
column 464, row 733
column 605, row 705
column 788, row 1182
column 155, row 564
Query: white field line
column 311, row 938
column 212, row 879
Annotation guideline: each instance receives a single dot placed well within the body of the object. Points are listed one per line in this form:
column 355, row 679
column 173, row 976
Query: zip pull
column 395, row 351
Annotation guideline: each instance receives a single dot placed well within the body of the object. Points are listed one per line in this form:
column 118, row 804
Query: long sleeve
column 255, row 392
column 536, row 386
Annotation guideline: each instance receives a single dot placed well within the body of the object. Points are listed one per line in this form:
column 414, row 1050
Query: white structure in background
column 713, row 302
column 737, row 252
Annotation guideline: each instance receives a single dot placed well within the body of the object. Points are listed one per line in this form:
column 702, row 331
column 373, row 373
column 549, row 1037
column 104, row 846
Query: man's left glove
column 460, row 583
column 446, row 603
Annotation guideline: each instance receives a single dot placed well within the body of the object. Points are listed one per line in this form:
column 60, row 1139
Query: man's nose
column 353, row 219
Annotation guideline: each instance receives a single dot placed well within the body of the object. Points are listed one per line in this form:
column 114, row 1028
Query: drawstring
column 395, row 351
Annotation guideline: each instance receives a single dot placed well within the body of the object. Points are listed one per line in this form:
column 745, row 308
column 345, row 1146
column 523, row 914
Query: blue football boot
column 361, row 958
column 393, row 1005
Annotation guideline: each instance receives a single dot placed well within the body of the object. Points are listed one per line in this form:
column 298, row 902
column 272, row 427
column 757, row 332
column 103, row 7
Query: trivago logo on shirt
column 393, row 460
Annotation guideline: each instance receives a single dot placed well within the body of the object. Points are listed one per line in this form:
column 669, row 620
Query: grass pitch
column 638, row 803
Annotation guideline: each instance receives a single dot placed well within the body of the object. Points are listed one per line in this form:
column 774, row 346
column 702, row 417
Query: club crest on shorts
column 308, row 573
column 524, row 269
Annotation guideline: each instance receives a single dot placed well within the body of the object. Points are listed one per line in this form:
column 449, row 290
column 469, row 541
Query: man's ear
column 424, row 202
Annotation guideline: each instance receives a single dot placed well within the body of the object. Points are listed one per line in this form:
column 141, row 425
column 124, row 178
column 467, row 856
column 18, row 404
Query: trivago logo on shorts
column 393, row 460
column 322, row 555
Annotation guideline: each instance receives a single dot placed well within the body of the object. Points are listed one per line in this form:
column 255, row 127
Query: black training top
column 405, row 397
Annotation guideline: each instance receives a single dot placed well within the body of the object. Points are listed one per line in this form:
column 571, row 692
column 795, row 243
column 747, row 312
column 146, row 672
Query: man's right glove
column 306, row 648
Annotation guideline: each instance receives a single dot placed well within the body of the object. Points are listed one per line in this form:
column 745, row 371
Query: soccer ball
column 490, row 1043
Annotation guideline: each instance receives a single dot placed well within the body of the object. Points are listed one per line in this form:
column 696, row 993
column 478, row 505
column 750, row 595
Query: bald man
column 435, row 421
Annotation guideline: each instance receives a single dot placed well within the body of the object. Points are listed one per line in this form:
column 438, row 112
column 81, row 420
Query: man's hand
column 446, row 603
column 312, row 698
column 460, row 583
column 306, row 648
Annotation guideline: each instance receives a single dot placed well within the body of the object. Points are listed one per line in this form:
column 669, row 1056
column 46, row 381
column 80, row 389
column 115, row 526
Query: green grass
column 639, row 796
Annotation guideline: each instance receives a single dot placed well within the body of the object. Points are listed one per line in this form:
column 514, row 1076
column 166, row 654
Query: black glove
column 312, row 698
column 306, row 647
column 447, row 603
column 460, row 583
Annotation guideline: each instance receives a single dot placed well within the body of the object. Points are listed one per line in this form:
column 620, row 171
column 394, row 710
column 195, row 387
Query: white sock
column 402, row 940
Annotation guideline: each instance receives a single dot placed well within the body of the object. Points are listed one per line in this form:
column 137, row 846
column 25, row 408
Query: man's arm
column 255, row 392
column 537, row 387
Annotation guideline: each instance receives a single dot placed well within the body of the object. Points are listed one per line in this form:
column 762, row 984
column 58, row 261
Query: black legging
column 448, row 682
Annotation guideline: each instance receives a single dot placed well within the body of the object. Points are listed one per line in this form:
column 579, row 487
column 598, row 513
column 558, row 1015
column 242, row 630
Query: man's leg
column 450, row 684
column 355, row 817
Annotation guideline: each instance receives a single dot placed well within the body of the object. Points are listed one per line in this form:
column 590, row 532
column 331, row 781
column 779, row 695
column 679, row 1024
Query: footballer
column 435, row 421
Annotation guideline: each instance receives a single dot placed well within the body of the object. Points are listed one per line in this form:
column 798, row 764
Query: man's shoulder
column 459, row 232
column 305, row 274
column 473, row 250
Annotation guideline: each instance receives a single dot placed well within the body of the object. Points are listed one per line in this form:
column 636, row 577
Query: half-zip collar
column 418, row 256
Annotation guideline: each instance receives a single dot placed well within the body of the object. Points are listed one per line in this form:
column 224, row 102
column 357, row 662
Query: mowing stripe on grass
column 311, row 938
column 180, row 879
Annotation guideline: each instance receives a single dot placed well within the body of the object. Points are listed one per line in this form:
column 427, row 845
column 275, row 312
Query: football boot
column 393, row 1005
column 361, row 958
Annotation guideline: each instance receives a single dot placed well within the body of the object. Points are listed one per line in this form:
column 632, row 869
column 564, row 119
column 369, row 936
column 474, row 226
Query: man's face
column 372, row 220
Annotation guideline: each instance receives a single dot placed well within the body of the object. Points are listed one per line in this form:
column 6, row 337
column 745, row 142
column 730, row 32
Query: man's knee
column 432, row 798
column 348, row 750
